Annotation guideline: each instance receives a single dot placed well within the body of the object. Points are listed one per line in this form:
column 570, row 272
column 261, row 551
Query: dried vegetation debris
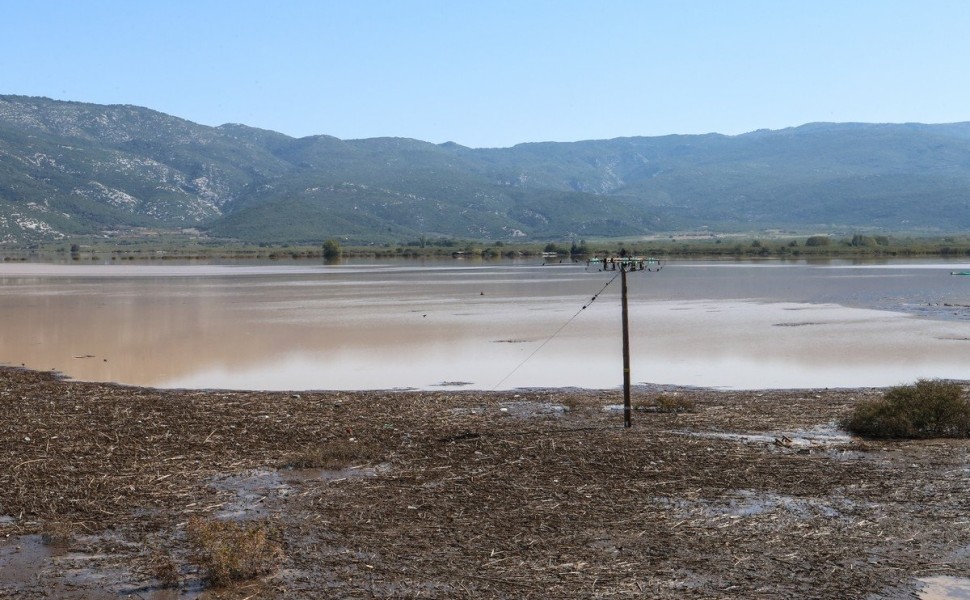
column 445, row 494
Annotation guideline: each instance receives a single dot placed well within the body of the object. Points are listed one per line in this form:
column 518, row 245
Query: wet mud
column 527, row 494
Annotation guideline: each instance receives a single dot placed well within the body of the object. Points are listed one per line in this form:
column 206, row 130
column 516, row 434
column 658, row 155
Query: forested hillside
column 69, row 169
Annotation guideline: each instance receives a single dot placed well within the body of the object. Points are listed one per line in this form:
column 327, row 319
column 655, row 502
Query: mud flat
column 527, row 494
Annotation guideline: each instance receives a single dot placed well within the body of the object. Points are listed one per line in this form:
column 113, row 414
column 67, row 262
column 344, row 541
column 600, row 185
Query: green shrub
column 930, row 408
column 818, row 240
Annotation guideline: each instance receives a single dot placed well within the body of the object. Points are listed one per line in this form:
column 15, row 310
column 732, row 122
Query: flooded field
column 497, row 325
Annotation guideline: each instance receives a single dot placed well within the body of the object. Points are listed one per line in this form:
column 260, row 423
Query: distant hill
column 69, row 169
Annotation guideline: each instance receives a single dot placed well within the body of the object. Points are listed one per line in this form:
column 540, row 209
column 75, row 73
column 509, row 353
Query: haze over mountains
column 71, row 169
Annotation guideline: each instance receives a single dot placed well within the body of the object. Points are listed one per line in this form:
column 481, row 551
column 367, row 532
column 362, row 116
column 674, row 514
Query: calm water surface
column 495, row 325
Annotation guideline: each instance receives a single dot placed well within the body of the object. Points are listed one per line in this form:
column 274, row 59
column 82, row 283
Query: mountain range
column 72, row 169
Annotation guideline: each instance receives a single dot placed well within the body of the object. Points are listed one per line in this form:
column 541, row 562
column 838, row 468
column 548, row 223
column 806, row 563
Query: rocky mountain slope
column 69, row 169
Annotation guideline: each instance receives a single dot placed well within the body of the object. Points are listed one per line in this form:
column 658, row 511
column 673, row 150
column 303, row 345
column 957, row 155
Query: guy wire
column 549, row 339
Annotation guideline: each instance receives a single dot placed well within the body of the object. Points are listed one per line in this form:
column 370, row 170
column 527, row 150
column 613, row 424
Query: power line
column 550, row 338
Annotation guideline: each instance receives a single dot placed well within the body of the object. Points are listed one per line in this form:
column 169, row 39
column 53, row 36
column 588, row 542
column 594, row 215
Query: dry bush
column 930, row 408
column 335, row 454
column 665, row 403
column 571, row 403
column 228, row 551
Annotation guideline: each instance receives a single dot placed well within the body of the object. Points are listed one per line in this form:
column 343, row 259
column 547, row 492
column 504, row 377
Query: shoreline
column 452, row 388
column 528, row 493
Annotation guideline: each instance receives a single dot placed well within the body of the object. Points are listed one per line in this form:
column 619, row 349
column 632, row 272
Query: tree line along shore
column 686, row 246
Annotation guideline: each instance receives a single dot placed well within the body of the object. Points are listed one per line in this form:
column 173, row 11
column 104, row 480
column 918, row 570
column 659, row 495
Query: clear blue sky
column 498, row 72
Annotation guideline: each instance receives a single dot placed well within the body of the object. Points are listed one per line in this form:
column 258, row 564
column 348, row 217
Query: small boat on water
column 959, row 272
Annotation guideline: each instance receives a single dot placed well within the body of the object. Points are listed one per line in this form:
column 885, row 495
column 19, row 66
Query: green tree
column 582, row 249
column 331, row 249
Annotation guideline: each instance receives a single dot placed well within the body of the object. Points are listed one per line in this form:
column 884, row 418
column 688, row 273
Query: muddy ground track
column 528, row 494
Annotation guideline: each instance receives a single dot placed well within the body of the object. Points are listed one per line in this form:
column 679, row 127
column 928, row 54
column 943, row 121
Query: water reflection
column 446, row 325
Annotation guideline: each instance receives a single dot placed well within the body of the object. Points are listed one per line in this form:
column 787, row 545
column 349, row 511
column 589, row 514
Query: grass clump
column 667, row 403
column 56, row 534
column 928, row 409
column 164, row 569
column 570, row 404
column 229, row 551
column 335, row 454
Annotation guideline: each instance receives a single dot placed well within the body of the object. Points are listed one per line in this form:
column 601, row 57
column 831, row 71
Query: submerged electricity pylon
column 623, row 264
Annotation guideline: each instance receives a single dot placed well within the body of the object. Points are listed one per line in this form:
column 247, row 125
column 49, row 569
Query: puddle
column 333, row 475
column 21, row 558
column 750, row 503
column 944, row 588
column 89, row 567
column 25, row 561
column 526, row 408
column 824, row 436
column 252, row 490
column 517, row 408
column 188, row 590
column 257, row 491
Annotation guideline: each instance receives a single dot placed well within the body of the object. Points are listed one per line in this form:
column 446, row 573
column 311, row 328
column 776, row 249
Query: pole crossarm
column 627, row 263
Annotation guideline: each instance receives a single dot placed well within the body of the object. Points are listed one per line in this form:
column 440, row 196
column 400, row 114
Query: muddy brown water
column 457, row 324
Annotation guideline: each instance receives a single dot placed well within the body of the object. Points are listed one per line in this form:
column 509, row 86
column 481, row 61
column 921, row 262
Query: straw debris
column 454, row 497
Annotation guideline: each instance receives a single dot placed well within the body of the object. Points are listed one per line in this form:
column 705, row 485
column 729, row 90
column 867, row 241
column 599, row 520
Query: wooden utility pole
column 625, row 263
column 627, row 407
